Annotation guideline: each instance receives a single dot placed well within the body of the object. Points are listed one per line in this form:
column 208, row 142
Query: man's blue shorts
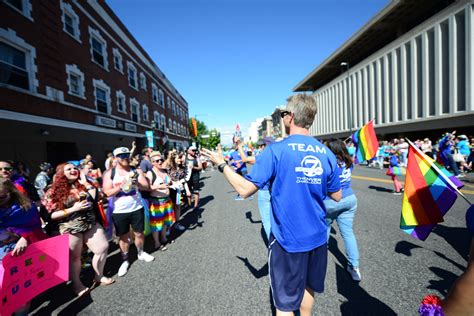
column 291, row 273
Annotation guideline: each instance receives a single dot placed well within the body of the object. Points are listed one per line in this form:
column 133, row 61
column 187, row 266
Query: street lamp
column 349, row 99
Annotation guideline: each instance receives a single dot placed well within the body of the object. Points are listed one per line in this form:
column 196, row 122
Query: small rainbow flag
column 430, row 191
column 365, row 142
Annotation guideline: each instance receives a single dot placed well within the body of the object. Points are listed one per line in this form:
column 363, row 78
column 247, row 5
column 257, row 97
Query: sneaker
column 145, row 257
column 461, row 175
column 123, row 268
column 179, row 227
column 355, row 273
column 239, row 198
column 397, row 193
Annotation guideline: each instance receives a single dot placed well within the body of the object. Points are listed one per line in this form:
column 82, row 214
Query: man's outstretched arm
column 243, row 186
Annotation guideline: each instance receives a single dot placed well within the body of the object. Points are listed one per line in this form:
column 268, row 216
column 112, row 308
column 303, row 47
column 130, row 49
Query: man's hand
column 216, row 157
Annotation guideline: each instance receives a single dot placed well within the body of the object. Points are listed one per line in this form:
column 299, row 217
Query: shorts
column 291, row 273
column 122, row 222
column 193, row 185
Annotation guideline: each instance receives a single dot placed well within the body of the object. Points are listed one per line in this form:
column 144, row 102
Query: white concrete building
column 411, row 68
column 253, row 130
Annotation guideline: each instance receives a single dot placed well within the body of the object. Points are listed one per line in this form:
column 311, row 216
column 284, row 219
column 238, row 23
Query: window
column 118, row 64
column 173, row 106
column 162, row 122
column 70, row 21
column 161, row 97
column 75, row 81
column 174, row 127
column 145, row 113
column 142, row 81
column 154, row 92
column 168, row 102
column 102, row 96
column 98, row 48
column 13, row 69
column 170, row 124
column 156, row 119
column 134, row 109
column 22, row 6
column 121, row 102
column 132, row 75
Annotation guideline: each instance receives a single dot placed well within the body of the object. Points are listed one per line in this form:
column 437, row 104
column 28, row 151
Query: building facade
column 410, row 69
column 73, row 80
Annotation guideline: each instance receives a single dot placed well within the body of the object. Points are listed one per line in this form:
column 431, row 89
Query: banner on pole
column 149, row 139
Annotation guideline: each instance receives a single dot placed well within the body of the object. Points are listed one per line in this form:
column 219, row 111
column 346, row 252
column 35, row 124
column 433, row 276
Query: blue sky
column 236, row 60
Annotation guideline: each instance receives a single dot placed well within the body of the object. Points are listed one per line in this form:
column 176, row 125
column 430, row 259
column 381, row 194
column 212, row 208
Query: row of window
column 99, row 57
column 103, row 102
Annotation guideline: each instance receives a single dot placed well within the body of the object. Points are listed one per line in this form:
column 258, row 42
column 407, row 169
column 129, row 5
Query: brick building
column 73, row 80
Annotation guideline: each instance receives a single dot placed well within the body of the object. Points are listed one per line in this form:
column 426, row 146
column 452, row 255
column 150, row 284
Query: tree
column 201, row 130
column 214, row 138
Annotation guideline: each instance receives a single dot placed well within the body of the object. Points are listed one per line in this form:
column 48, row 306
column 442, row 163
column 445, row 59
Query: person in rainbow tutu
column 161, row 207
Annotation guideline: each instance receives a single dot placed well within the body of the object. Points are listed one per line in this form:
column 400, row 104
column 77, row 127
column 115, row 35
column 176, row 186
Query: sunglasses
column 284, row 113
column 158, row 160
column 9, row 169
column 123, row 156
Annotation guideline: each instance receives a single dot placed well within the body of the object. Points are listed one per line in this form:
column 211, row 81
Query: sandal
column 104, row 281
column 82, row 292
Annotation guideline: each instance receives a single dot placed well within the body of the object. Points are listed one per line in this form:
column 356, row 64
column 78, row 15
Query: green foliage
column 207, row 142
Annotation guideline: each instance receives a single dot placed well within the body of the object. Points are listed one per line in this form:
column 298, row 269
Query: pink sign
column 43, row 265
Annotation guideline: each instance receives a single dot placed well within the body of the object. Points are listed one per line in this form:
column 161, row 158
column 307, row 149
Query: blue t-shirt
column 345, row 177
column 301, row 172
column 236, row 159
column 266, row 187
column 463, row 147
column 393, row 160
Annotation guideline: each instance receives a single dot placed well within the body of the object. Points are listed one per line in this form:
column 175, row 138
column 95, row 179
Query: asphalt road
column 218, row 265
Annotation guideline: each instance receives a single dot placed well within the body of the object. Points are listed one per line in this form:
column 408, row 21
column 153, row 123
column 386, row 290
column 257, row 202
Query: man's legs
column 196, row 199
column 307, row 303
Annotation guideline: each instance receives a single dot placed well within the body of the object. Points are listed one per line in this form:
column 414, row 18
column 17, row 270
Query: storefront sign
column 130, row 127
column 105, row 121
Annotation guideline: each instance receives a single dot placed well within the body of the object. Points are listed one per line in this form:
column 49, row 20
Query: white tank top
column 125, row 202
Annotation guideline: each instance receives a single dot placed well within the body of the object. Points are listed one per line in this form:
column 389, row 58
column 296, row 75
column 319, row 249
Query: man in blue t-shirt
column 239, row 165
column 302, row 173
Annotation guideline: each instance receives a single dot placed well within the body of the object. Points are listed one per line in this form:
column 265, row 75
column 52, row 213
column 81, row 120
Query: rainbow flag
column 430, row 191
column 365, row 142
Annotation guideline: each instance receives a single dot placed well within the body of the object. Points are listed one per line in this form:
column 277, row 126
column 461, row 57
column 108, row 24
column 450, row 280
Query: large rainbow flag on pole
column 365, row 142
column 430, row 191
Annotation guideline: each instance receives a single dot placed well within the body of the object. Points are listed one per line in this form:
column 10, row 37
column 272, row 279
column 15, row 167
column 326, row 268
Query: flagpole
column 440, row 173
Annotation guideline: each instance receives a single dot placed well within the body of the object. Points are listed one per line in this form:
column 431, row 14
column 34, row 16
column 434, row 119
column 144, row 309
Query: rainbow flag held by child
column 430, row 191
column 365, row 142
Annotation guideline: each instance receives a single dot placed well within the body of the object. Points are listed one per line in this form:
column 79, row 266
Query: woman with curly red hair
column 70, row 203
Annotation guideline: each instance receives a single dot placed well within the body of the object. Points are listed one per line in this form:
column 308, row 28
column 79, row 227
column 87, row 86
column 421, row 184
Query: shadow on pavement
column 380, row 189
column 443, row 285
column 405, row 247
column 260, row 273
column 359, row 302
column 457, row 237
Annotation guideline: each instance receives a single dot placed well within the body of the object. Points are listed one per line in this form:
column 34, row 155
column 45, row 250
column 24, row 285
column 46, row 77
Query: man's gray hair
column 304, row 108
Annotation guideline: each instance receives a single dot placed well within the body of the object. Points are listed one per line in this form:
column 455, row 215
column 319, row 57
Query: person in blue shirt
column 302, row 172
column 343, row 212
column 444, row 151
column 239, row 165
column 264, row 198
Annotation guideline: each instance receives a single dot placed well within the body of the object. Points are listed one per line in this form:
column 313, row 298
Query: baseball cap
column 261, row 142
column 121, row 150
column 192, row 147
column 462, row 136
